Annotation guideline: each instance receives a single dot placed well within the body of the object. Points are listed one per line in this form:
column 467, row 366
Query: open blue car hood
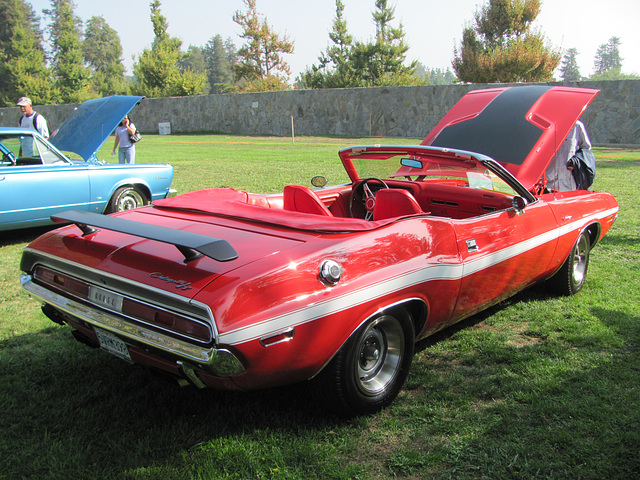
column 91, row 123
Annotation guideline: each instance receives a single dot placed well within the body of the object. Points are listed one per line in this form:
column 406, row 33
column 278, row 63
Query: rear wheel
column 570, row 279
column 126, row 198
column 369, row 370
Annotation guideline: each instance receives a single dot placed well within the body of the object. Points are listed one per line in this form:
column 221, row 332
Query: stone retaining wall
column 612, row 118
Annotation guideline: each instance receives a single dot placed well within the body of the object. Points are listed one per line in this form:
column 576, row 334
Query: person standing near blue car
column 33, row 121
column 127, row 150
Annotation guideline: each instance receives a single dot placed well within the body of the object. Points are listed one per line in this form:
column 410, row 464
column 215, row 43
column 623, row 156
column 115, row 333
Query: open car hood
column 91, row 123
column 520, row 127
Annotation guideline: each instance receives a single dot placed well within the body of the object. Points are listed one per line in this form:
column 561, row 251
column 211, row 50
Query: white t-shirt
column 41, row 124
column 26, row 144
column 123, row 135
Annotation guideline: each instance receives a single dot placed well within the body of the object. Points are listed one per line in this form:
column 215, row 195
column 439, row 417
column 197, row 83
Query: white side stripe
column 314, row 311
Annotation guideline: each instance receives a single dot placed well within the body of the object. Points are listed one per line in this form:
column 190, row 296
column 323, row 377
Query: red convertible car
column 234, row 290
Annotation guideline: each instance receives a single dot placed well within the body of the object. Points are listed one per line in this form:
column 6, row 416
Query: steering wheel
column 363, row 194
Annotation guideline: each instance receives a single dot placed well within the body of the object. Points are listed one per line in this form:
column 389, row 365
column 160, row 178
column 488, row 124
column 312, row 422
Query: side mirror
column 518, row 205
column 319, row 181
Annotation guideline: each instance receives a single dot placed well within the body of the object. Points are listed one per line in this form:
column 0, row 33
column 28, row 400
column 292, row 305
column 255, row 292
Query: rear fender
column 137, row 183
column 415, row 308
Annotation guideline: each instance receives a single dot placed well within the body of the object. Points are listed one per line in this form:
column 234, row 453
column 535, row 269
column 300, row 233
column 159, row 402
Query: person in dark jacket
column 583, row 167
column 559, row 173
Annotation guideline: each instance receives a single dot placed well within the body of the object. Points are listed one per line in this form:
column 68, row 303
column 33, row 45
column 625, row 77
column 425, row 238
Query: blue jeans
column 127, row 154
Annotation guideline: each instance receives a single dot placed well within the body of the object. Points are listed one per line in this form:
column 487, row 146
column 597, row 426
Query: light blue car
column 38, row 180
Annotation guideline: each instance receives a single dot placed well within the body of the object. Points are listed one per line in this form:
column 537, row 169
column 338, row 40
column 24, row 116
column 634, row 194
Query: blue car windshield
column 21, row 149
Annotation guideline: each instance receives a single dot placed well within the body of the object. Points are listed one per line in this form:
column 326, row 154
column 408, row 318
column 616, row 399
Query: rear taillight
column 166, row 319
column 133, row 309
column 62, row 282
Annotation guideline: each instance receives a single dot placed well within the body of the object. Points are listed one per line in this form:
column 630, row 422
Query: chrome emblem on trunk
column 179, row 284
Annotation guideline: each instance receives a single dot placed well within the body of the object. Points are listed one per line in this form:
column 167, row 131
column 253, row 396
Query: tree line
column 83, row 60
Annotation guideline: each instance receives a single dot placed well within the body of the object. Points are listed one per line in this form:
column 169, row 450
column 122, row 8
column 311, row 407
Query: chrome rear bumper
column 219, row 362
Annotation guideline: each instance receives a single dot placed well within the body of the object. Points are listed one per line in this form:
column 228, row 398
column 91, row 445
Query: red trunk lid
column 162, row 265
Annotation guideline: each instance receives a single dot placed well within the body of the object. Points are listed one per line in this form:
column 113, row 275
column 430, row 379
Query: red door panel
column 503, row 253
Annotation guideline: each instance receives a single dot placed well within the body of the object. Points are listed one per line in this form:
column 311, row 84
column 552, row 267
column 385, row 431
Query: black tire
column 126, row 198
column 369, row 370
column 570, row 279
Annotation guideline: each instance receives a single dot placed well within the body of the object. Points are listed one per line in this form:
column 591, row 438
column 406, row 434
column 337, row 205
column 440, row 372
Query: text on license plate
column 112, row 344
column 105, row 298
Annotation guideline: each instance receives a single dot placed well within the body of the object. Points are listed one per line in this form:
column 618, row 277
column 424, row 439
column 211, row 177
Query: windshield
column 20, row 149
column 422, row 164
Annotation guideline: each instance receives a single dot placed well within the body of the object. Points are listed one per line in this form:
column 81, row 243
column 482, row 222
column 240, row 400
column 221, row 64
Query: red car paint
column 277, row 316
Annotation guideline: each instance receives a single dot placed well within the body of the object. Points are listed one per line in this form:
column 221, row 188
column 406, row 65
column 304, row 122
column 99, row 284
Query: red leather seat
column 395, row 203
column 298, row 198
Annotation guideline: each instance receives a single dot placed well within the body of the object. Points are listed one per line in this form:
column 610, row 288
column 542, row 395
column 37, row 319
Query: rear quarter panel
column 411, row 259
column 106, row 179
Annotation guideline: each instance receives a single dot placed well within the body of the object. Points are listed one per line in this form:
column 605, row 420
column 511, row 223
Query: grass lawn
column 536, row 387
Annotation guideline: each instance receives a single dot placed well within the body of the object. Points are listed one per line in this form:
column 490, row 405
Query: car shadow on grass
column 534, row 293
column 622, row 240
column 559, row 408
column 69, row 408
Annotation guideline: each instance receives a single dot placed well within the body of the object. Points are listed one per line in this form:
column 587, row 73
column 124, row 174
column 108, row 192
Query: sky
column 432, row 28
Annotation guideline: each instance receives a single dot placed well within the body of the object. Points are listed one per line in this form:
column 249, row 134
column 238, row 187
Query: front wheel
column 126, row 198
column 570, row 279
column 369, row 370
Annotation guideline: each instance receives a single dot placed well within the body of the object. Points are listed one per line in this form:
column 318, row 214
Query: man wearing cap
column 32, row 120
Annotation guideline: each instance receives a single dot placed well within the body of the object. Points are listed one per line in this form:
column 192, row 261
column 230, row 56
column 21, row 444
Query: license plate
column 104, row 298
column 112, row 344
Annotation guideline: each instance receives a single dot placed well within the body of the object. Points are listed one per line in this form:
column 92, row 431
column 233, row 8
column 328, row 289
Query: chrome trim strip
column 138, row 320
column 140, row 292
column 118, row 326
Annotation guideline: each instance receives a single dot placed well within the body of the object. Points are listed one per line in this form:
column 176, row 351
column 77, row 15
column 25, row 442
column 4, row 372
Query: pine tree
column 608, row 57
column 157, row 71
column 570, row 72
column 334, row 69
column 438, row 76
column 219, row 60
column 502, row 48
column 102, row 52
column 22, row 57
column 360, row 64
column 71, row 77
column 388, row 54
column 338, row 54
column 260, row 63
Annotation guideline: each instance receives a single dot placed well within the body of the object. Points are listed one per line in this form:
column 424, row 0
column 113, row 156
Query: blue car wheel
column 126, row 198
